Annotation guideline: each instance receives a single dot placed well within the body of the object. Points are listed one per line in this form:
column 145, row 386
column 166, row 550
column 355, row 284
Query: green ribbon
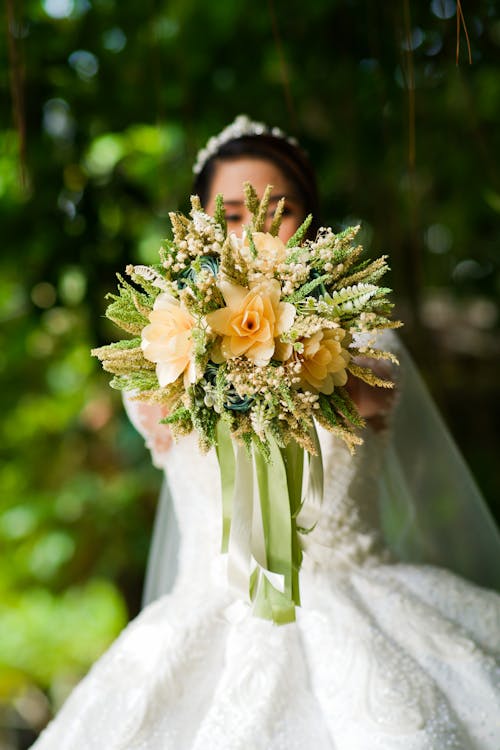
column 240, row 535
column 227, row 467
column 261, row 531
column 270, row 602
column 293, row 456
column 314, row 491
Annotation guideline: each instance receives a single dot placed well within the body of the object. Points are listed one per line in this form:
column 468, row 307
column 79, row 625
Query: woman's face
column 228, row 179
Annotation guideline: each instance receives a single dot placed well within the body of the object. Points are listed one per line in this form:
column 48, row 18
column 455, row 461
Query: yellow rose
column 324, row 359
column 167, row 340
column 252, row 320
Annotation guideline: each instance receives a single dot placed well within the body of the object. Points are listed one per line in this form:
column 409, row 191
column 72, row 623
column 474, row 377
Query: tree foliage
column 118, row 98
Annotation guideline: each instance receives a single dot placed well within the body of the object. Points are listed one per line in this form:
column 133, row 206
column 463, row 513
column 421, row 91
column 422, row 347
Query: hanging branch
column 461, row 20
column 285, row 77
column 414, row 256
column 17, row 88
column 410, row 85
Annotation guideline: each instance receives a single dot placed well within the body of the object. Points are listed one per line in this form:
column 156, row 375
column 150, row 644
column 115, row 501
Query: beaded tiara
column 239, row 128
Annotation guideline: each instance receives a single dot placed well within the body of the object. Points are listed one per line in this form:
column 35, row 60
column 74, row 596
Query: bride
column 388, row 651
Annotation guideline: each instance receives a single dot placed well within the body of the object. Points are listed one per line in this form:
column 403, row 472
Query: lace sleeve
column 146, row 419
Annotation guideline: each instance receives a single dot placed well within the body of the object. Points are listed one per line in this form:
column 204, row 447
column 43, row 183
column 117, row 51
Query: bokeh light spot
column 58, row 8
column 43, row 295
column 104, row 153
column 17, row 522
column 57, row 119
column 444, row 9
column 438, row 238
column 72, row 285
column 84, row 63
column 57, row 321
column 50, row 552
column 415, row 39
column 114, row 40
column 470, row 269
column 39, row 344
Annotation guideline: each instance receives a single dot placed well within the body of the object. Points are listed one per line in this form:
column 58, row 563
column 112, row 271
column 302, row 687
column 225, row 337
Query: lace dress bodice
column 347, row 525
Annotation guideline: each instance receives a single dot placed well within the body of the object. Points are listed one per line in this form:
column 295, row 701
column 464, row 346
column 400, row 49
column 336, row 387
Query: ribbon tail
column 293, row 458
column 239, row 545
column 314, row 492
column 227, row 468
column 270, row 603
column 278, row 494
column 262, row 497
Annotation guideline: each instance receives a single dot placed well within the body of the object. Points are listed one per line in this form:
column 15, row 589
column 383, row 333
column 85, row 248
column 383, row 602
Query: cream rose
column 271, row 251
column 252, row 320
column 324, row 359
column 167, row 340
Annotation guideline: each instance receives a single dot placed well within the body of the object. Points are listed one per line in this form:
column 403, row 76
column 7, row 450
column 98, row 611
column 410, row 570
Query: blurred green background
column 118, row 97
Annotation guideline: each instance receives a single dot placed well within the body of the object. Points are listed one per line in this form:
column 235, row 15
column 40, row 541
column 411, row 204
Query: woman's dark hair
column 290, row 159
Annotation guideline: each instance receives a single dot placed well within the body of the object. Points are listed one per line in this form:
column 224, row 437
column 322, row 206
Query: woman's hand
column 372, row 402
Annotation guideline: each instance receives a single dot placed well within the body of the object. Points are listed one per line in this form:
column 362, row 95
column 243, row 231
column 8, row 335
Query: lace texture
column 383, row 655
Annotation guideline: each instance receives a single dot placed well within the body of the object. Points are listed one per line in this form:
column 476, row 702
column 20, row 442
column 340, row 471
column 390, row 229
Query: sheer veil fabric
column 431, row 507
column 161, row 570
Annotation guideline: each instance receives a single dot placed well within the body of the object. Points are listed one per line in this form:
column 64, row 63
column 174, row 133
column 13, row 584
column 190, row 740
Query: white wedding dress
column 382, row 655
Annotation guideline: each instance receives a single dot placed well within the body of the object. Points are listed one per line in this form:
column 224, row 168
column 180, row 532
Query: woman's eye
column 286, row 212
column 232, row 218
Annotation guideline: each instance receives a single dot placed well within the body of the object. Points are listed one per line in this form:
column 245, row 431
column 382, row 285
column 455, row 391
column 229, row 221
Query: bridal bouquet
column 249, row 341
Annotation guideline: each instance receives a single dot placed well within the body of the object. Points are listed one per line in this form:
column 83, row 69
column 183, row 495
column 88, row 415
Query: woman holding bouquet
column 383, row 653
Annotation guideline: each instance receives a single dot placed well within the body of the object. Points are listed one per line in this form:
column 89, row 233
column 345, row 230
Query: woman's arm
column 146, row 420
